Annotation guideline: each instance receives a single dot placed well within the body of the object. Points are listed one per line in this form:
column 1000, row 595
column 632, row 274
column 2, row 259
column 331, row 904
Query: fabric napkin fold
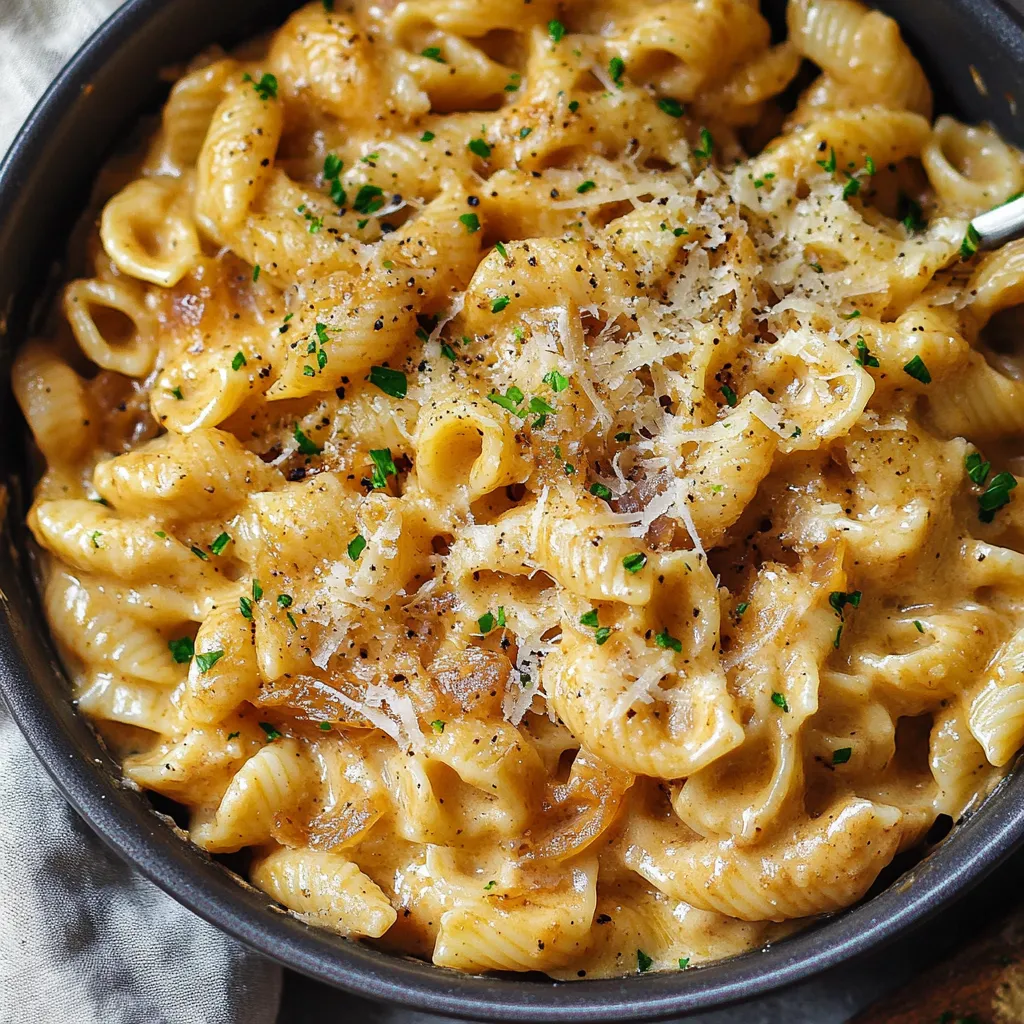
column 84, row 938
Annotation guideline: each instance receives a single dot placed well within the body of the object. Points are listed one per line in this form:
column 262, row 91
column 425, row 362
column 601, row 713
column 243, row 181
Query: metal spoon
column 1001, row 225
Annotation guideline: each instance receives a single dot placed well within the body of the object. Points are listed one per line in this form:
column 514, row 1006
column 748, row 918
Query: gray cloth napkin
column 84, row 939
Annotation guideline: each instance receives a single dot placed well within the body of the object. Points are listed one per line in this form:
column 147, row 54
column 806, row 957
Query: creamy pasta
column 540, row 476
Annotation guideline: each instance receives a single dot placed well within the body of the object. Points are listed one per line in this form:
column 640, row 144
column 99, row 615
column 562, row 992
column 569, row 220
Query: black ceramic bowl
column 44, row 182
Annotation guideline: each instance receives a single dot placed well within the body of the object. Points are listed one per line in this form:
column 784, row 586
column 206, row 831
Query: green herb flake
column 741, row 609
column 95, row 538
column 864, row 356
column 842, row 755
column 369, row 199
column 437, row 726
column 684, row 962
column 995, row 496
column 199, row 553
column 391, row 382
column 556, row 30
column 177, row 394
column 306, row 446
column 434, row 53
column 470, row 221
column 257, row 591
column 643, row 962
column 617, row 68
column 707, row 145
column 574, row 105
column 501, row 616
column 829, row 165
column 383, row 467
column 207, row 660
column 447, row 351
column 779, row 700
column 916, row 369
column 511, row 400
column 255, row 273
column 238, row 362
column 909, row 214
column 729, row 395
column 598, row 490
column 634, row 562
column 479, row 148
column 266, row 87
column 977, row 469
column 502, row 251
column 325, row 726
column 272, row 733
column 356, row 546
column 838, row 637
column 220, row 543
column 589, row 618
column 623, row 436
column 918, row 626
column 245, row 607
column 285, row 600
column 586, row 186
column 182, row 649
column 427, row 137
column 671, row 107
column 556, row 381
column 500, row 303
column 524, row 132
column 485, row 623
column 601, row 635
column 666, row 641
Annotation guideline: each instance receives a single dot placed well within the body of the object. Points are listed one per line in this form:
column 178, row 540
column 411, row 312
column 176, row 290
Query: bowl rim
column 135, row 832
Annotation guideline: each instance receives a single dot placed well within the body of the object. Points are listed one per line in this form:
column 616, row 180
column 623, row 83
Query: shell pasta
column 538, row 484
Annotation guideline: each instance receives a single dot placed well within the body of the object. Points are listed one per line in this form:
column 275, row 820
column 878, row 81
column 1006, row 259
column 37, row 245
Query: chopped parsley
column 391, row 382
column 635, row 562
column 598, row 490
column 838, row 637
column 427, row 137
column 356, row 546
column 829, row 165
column 916, row 369
column 779, row 700
column 479, row 148
column 574, row 105
column 601, row 635
column 864, row 356
column 220, row 543
column 369, row 199
column 523, row 132
column 617, row 68
column 198, row 552
column 182, row 649
column 511, row 400
column 839, row 599
column 670, row 106
column 438, row 726
column 918, row 626
column 977, row 469
column 257, row 591
column 272, row 733
column 556, row 30
column 855, row 315
column 842, row 755
column 513, row 82
column 909, row 213
column 729, row 395
column 383, row 467
column 306, row 446
column 95, row 538
column 266, row 87
column 447, row 351
column 325, row 726
column 485, row 623
column 502, row 251
column 490, row 885
column 332, row 166
column 245, row 607
column 207, row 660
column 623, row 436
column 238, row 362
column 255, row 273
column 470, row 221
column 643, row 962
column 586, row 186
column 285, row 600
column 707, row 145
column 556, row 381
column 666, row 641
column 500, row 303
column 741, row 609
column 589, row 618
column 684, row 962
column 434, row 53
column 177, row 394
column 995, row 496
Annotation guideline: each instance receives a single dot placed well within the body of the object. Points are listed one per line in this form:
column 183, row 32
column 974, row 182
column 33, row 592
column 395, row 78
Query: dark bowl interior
column 44, row 183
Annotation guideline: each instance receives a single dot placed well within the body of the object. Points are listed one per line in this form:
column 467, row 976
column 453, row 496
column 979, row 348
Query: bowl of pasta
column 509, row 494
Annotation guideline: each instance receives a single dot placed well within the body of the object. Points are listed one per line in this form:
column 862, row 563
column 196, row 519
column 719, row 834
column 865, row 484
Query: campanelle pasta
column 548, row 499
